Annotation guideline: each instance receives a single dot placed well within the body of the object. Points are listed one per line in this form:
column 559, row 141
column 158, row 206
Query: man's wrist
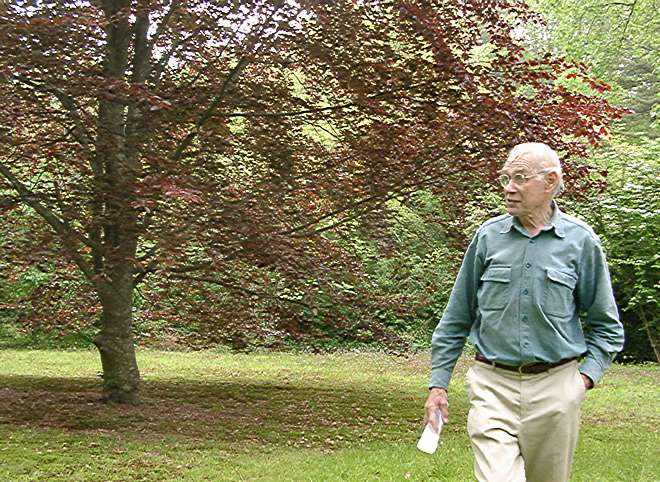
column 589, row 382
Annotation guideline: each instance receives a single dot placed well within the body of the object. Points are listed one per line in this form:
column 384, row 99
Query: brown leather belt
column 538, row 367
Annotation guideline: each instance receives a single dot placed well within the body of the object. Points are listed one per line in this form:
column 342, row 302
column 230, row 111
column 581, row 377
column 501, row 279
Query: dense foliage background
column 393, row 269
column 618, row 40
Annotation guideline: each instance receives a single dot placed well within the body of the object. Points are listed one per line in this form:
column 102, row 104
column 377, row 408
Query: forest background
column 347, row 273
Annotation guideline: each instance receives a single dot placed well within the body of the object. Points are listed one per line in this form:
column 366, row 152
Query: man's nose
column 510, row 186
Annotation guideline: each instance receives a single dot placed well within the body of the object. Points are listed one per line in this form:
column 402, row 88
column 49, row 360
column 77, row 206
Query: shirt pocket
column 495, row 288
column 558, row 297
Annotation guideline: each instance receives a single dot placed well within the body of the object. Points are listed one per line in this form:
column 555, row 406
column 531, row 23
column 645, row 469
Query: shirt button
column 524, row 317
column 526, row 344
column 531, row 241
column 525, row 291
column 528, row 265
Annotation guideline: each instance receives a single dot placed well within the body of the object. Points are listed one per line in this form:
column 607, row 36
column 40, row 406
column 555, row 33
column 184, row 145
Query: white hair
column 543, row 156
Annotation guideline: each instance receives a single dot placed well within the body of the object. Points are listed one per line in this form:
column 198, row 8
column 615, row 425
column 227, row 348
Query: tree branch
column 159, row 68
column 59, row 226
column 393, row 191
column 210, row 111
column 621, row 4
column 69, row 104
column 219, row 55
column 240, row 289
column 401, row 191
column 140, row 69
column 286, row 113
column 141, row 47
column 162, row 25
column 192, row 267
column 630, row 14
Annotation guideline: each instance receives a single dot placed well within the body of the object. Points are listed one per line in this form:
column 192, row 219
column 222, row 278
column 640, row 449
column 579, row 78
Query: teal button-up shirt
column 519, row 299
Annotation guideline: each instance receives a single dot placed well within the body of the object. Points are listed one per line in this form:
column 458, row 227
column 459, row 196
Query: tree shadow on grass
column 297, row 414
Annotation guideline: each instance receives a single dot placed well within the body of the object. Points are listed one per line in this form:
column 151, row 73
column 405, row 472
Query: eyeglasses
column 518, row 179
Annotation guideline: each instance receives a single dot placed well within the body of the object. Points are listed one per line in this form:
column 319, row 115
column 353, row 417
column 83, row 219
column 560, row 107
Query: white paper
column 428, row 442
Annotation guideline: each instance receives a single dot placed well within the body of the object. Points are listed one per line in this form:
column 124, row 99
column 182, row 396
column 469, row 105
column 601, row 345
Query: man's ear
column 551, row 180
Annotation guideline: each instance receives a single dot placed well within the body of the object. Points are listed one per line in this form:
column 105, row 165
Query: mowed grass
column 280, row 417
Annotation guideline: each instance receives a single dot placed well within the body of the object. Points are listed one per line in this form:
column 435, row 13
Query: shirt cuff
column 592, row 369
column 439, row 379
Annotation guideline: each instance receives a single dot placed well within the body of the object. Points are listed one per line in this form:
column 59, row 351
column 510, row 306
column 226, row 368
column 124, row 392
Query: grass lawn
column 280, row 417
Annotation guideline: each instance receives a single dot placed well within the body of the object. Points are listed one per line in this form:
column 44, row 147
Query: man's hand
column 437, row 400
column 588, row 383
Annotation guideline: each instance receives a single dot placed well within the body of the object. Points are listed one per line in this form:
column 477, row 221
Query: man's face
column 530, row 194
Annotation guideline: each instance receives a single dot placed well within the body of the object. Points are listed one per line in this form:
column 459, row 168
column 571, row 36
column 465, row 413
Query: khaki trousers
column 524, row 427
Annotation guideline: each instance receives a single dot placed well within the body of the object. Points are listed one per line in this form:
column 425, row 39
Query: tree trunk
column 115, row 165
column 651, row 335
column 121, row 377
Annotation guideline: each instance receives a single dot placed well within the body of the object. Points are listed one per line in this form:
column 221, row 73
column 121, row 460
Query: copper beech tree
column 219, row 142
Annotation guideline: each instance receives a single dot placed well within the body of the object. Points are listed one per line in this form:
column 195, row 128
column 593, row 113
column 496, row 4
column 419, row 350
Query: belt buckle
column 522, row 367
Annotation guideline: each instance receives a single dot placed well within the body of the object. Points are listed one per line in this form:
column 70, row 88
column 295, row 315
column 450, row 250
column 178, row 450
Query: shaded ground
column 293, row 410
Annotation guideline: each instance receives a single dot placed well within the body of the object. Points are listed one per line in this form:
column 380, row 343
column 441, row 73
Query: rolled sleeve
column 604, row 332
column 451, row 332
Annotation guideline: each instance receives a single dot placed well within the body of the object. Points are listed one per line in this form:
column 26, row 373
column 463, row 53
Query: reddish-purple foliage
column 211, row 146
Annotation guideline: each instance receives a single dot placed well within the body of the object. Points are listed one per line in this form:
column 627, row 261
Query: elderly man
column 526, row 279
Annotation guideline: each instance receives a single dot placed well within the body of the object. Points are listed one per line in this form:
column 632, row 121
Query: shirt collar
column 507, row 224
column 554, row 223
